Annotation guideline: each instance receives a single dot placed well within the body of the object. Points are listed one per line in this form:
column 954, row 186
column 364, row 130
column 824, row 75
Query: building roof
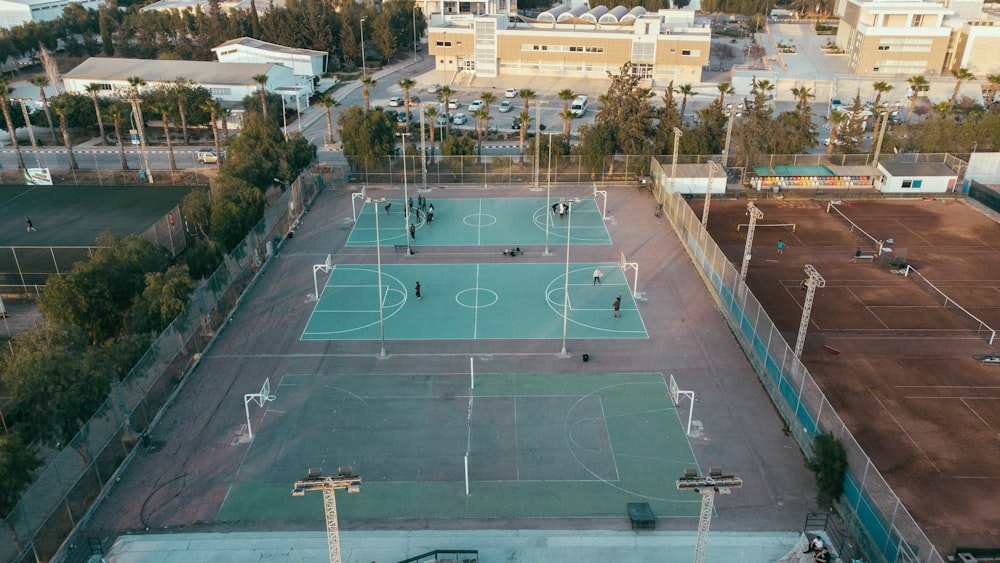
column 265, row 46
column 896, row 168
column 202, row 72
column 261, row 5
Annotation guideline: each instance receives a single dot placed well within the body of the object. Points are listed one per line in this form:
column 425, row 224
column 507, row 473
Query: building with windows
column 305, row 63
column 576, row 41
column 228, row 82
column 17, row 12
column 917, row 37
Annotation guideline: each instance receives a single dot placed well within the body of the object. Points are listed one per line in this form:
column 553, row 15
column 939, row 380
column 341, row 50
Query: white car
column 433, row 88
column 454, row 104
column 506, row 106
column 395, row 102
column 459, row 119
column 510, row 93
column 476, row 105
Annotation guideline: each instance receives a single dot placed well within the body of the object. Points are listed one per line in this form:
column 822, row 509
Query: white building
column 17, row 12
column 696, row 178
column 916, row 177
column 228, row 82
column 303, row 62
column 225, row 5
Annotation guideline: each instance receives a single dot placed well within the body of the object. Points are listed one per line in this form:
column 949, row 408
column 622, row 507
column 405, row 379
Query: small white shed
column 915, row 177
column 694, row 179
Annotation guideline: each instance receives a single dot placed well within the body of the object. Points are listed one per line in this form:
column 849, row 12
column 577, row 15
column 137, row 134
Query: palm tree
column 528, row 95
column 42, row 81
column 5, row 92
column 368, row 83
column 135, row 82
column 214, row 108
column 431, row 113
column 261, row 80
column 525, row 118
column 482, row 117
column 567, row 118
column 163, row 108
column 803, row 94
column 835, row 119
column 487, row 98
column 61, row 107
column 917, row 84
column 566, row 95
column 961, row 75
column 116, row 115
column 328, row 102
column 93, row 89
column 685, row 90
column 445, row 95
column 994, row 80
column 406, row 84
column 880, row 88
column 179, row 93
column 724, row 89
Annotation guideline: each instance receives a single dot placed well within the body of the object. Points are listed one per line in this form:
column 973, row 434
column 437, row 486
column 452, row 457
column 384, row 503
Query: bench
column 855, row 258
column 641, row 516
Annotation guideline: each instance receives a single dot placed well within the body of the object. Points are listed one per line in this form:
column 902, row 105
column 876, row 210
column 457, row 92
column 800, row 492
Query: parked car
column 391, row 112
column 433, row 88
column 459, row 119
column 506, row 106
column 414, row 99
column 476, row 105
column 510, row 93
column 440, row 122
column 516, row 125
column 395, row 102
column 454, row 104
column 208, row 157
column 401, row 117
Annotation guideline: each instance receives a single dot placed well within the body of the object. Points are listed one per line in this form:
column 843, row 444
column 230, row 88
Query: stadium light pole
column 673, row 164
column 569, row 233
column 364, row 67
column 712, row 169
column 378, row 254
column 548, row 198
column 729, row 136
column 406, row 200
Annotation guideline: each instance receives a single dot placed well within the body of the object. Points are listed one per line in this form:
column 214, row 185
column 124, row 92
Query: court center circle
column 462, row 297
column 479, row 220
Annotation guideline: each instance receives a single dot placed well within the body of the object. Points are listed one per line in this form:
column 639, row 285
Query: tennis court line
column 614, row 454
column 475, row 317
column 517, row 451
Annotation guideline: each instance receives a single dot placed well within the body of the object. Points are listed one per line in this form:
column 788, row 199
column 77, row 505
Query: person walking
column 387, row 206
column 416, row 289
column 413, row 231
column 29, row 227
column 781, row 247
column 410, row 203
column 617, row 305
column 598, row 274
column 430, row 216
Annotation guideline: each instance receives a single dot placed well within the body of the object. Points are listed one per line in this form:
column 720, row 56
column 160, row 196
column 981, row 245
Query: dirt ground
column 905, row 381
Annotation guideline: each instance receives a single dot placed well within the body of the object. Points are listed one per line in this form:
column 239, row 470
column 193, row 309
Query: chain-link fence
column 103, row 168
column 878, row 519
column 75, row 476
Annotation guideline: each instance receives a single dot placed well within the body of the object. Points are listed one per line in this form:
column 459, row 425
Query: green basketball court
column 473, row 301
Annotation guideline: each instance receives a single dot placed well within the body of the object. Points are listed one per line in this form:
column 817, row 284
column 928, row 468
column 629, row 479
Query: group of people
column 616, row 306
column 560, row 208
column 817, row 546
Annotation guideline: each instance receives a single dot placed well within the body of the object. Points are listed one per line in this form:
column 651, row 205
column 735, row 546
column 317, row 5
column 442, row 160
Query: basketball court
column 593, row 441
column 473, row 301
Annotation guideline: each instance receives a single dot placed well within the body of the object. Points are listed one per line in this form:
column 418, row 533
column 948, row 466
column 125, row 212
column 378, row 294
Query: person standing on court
column 387, row 206
column 598, row 274
column 617, row 305
column 781, row 246
column 28, row 225
column 416, row 289
column 410, row 203
column 413, row 231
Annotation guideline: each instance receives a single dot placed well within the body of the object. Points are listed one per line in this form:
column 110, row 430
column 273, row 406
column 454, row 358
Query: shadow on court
column 592, row 441
column 473, row 301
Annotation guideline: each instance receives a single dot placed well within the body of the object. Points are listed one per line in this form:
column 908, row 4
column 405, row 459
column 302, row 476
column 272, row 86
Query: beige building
column 918, row 37
column 573, row 41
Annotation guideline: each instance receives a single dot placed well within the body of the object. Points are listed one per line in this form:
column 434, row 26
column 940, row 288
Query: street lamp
column 569, row 234
column 378, row 254
column 284, row 184
column 364, row 69
column 406, row 200
column 548, row 198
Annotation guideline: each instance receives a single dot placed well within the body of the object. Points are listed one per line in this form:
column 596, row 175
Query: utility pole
column 707, row 486
column 729, row 136
column 755, row 215
column 712, row 169
column 812, row 282
column 673, row 165
column 538, row 141
column 315, row 481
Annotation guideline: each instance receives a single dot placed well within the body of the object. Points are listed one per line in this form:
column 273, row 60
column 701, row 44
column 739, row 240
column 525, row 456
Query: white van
column 579, row 106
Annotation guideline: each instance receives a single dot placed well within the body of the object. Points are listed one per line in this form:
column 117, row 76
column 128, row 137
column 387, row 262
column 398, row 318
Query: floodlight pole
column 569, row 234
column 364, row 65
column 315, row 481
column 712, row 168
column 755, row 215
column 406, row 200
column 548, row 199
column 673, row 165
column 423, row 147
column 378, row 254
column 729, row 136
column 881, row 136
column 813, row 281
column 708, row 486
column 538, row 141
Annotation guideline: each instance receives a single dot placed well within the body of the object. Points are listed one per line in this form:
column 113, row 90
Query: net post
column 472, row 374
column 466, row 474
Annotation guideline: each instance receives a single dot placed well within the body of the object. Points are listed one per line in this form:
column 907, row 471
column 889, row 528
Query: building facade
column 577, row 42
column 17, row 12
column 305, row 63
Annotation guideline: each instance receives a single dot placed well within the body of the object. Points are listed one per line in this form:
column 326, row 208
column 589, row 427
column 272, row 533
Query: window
column 443, row 43
column 912, row 184
column 883, row 47
column 918, row 20
column 221, row 91
column 690, row 52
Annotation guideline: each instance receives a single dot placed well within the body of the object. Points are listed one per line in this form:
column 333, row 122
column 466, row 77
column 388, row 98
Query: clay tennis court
column 896, row 364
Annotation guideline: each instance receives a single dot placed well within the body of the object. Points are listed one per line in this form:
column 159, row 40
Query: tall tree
column 482, row 118
column 803, row 94
column 566, row 95
column 835, row 120
column 685, row 90
column 431, row 114
column 61, row 105
column 328, row 102
column 94, row 89
column 179, row 95
column 445, row 95
column 917, row 84
column 5, row 92
column 880, row 88
column 407, row 84
column 18, row 463
column 724, row 89
column 41, row 82
column 487, row 98
column 627, row 111
column 261, row 80
column 367, row 136
column 116, row 115
column 525, row 120
column 961, row 75
column 567, row 118
column 527, row 94
column 214, row 108
column 367, row 83
column 994, row 80
column 163, row 108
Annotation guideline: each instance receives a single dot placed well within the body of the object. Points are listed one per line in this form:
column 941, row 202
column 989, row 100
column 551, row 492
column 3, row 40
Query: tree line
column 101, row 316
